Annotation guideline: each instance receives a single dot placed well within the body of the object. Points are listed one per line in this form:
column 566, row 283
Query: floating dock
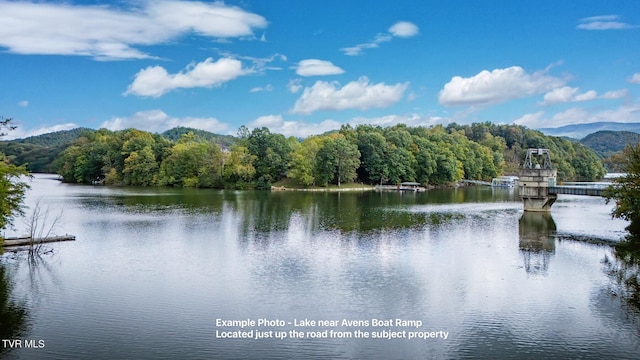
column 26, row 241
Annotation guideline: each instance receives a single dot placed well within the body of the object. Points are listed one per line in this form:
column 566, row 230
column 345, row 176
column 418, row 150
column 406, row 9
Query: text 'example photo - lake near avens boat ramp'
column 319, row 179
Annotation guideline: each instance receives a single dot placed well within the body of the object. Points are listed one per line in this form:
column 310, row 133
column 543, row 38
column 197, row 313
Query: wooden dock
column 26, row 241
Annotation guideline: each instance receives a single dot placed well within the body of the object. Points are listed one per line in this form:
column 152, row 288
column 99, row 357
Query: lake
column 160, row 273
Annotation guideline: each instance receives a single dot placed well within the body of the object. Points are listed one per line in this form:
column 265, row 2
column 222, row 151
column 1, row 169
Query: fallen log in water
column 26, row 241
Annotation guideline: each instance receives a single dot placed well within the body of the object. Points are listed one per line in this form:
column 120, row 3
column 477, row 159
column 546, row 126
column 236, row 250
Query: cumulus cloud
column 570, row 94
column 626, row 113
column 360, row 94
column 402, row 29
column 534, row 120
column 277, row 124
column 499, row 85
column 23, row 103
column 315, row 67
column 603, row 22
column 560, row 95
column 159, row 121
column 155, row 81
column 111, row 33
column 589, row 95
column 567, row 94
column 295, row 85
column 635, row 78
column 409, row 120
column 302, row 129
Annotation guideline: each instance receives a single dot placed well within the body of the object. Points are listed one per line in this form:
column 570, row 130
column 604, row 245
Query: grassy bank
column 288, row 184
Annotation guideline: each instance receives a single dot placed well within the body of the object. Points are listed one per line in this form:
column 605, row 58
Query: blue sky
column 306, row 67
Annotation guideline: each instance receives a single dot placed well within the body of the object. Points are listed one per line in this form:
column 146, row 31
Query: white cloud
column 603, row 22
column 635, row 78
column 599, row 18
column 359, row 49
column 589, row 95
column 159, row 121
column 315, row 67
column 267, row 88
column 626, row 113
column 560, row 95
column 360, row 94
column 302, row 129
column 531, row 120
column 109, row 33
column 277, row 124
column 258, row 65
column 569, row 94
column 155, row 81
column 23, row 103
column 404, row 29
column 499, row 85
column 409, row 120
column 615, row 94
column 295, row 85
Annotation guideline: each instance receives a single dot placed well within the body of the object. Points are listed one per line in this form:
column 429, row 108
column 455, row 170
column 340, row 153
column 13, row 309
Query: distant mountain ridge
column 579, row 131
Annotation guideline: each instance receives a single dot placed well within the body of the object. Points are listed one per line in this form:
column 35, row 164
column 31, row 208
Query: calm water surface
column 153, row 269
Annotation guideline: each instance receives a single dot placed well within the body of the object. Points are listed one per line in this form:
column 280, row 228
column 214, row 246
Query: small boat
column 505, row 181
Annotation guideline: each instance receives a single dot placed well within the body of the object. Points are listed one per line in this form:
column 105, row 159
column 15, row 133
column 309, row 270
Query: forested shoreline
column 367, row 154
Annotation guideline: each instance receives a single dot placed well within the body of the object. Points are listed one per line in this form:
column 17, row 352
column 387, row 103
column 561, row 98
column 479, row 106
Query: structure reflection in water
column 537, row 241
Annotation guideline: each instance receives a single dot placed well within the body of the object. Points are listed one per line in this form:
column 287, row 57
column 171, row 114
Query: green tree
column 271, row 153
column 12, row 184
column 373, row 147
column 238, row 167
column 12, row 191
column 140, row 167
column 626, row 192
column 337, row 160
column 192, row 163
column 302, row 167
column 85, row 161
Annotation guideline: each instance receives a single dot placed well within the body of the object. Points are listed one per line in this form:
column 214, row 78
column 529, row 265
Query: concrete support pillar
column 533, row 186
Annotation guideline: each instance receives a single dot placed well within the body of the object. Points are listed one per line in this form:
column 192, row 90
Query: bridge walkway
column 580, row 188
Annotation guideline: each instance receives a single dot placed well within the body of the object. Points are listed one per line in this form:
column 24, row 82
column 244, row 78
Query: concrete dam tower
column 535, row 178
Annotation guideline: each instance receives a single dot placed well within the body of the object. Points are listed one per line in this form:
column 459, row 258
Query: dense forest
column 224, row 141
column 607, row 143
column 369, row 154
column 39, row 152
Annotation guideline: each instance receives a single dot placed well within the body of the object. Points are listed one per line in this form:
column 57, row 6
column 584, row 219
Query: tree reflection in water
column 624, row 270
column 537, row 241
column 13, row 315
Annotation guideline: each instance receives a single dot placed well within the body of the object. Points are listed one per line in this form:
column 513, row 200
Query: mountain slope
column 39, row 152
column 225, row 141
column 579, row 131
column 605, row 143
